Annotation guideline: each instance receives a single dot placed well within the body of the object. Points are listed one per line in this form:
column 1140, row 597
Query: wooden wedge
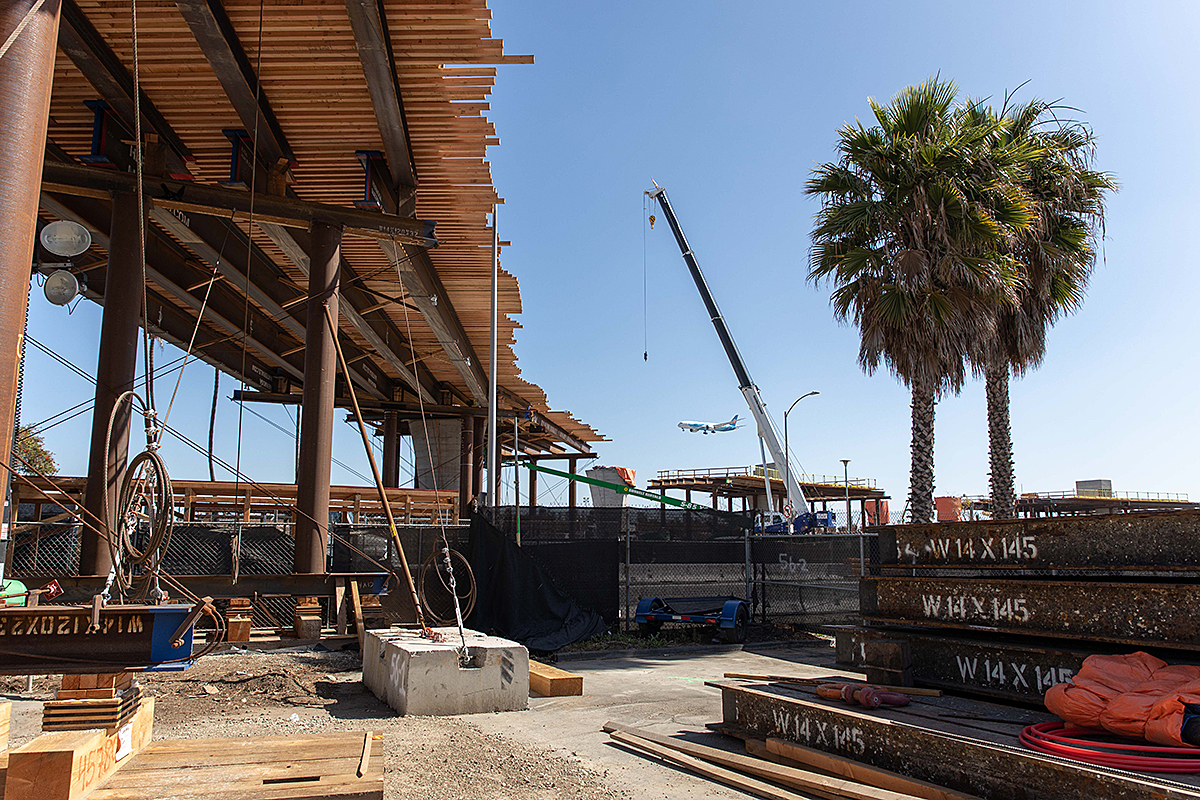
column 834, row 788
column 863, row 773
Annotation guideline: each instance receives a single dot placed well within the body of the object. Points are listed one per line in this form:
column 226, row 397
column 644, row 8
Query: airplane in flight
column 709, row 427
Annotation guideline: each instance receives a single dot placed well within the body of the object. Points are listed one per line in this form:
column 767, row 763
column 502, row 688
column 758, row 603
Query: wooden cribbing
column 5, row 717
column 826, row 786
column 856, row 770
column 911, row 690
column 67, row 765
column 551, row 681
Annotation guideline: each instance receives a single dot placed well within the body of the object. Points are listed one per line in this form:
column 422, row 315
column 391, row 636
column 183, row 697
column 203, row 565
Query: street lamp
column 846, row 477
column 787, row 459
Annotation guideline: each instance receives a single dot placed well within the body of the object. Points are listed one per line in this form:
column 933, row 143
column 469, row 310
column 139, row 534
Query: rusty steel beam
column 194, row 198
column 164, row 267
column 81, row 589
column 218, row 40
column 374, row 45
column 87, row 49
column 115, row 370
column 1009, row 669
column 985, row 763
column 1149, row 541
column 1127, row 612
column 316, row 421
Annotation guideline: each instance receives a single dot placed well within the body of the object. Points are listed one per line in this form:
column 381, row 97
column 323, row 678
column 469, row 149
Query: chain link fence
column 806, row 580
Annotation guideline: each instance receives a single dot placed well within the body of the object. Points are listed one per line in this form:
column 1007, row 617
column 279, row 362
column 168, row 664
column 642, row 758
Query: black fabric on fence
column 586, row 570
column 517, row 598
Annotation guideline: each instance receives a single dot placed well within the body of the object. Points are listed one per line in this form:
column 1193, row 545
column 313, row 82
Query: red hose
column 1056, row 738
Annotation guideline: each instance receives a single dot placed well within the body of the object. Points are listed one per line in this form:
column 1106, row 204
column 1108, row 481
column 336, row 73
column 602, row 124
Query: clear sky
column 729, row 106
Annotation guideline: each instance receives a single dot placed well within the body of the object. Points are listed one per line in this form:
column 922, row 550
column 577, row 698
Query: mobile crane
column 804, row 519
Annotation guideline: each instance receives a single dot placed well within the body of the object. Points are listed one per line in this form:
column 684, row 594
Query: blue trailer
column 729, row 614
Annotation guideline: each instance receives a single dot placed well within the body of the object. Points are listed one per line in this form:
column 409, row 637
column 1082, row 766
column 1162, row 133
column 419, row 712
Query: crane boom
column 758, row 409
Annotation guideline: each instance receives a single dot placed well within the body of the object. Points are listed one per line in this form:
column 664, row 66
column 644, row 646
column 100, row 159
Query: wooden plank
column 358, row 612
column 803, row 780
column 712, row 772
column 862, row 773
column 5, row 719
column 551, row 681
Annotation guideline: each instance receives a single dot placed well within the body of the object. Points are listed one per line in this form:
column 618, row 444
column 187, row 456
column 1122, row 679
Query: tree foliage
column 32, row 450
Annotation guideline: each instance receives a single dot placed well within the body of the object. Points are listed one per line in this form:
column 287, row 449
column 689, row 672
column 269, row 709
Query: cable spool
column 437, row 596
column 1096, row 747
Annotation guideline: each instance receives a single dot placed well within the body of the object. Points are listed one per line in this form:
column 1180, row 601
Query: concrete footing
column 422, row 677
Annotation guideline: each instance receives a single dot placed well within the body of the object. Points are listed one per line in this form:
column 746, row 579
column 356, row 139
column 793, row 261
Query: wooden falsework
column 721, row 763
column 551, row 681
column 68, row 765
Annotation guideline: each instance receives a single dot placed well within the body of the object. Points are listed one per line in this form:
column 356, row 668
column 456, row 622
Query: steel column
column 466, row 486
column 479, row 429
column 26, row 76
column 316, row 429
column 115, row 370
column 391, row 450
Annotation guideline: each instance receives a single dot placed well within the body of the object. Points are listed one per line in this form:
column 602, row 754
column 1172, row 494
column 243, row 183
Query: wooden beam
column 551, row 681
column 189, row 197
column 218, row 40
column 87, row 49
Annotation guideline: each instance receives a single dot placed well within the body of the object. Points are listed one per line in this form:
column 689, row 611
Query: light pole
column 846, row 477
column 787, row 457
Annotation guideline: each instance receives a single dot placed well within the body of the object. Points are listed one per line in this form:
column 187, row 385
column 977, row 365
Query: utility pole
column 846, row 477
column 493, row 461
column 787, row 462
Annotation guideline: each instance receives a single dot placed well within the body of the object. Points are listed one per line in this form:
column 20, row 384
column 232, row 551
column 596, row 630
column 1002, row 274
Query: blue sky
column 729, row 106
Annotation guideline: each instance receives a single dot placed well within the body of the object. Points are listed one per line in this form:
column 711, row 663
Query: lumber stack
column 92, row 701
column 1047, row 591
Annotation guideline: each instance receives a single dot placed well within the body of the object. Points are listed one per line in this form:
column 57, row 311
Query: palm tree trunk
column 920, row 487
column 1004, row 500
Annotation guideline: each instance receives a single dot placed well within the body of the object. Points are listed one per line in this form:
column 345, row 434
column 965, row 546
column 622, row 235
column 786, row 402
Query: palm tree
column 1054, row 255
column 916, row 216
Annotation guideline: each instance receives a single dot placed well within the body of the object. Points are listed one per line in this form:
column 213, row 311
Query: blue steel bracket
column 164, row 657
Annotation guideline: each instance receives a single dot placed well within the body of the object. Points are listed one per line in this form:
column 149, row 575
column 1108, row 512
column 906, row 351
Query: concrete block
column 421, row 677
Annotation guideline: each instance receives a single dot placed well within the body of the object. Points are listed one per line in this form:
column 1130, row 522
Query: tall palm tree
column 916, row 216
column 1054, row 255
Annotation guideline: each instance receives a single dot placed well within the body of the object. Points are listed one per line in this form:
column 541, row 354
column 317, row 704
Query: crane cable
column 449, row 582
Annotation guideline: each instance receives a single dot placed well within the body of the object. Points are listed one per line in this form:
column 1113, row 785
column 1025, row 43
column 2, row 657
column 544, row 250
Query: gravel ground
column 302, row 692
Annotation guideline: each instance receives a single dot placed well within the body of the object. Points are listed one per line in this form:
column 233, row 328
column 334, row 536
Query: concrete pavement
column 662, row 693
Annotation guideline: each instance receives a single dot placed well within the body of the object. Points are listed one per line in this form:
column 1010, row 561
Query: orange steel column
column 26, row 75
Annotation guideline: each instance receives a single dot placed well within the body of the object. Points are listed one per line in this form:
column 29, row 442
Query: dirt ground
column 279, row 693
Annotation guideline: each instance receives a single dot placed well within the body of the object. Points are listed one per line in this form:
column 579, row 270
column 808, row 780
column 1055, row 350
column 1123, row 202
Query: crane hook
column 651, row 222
